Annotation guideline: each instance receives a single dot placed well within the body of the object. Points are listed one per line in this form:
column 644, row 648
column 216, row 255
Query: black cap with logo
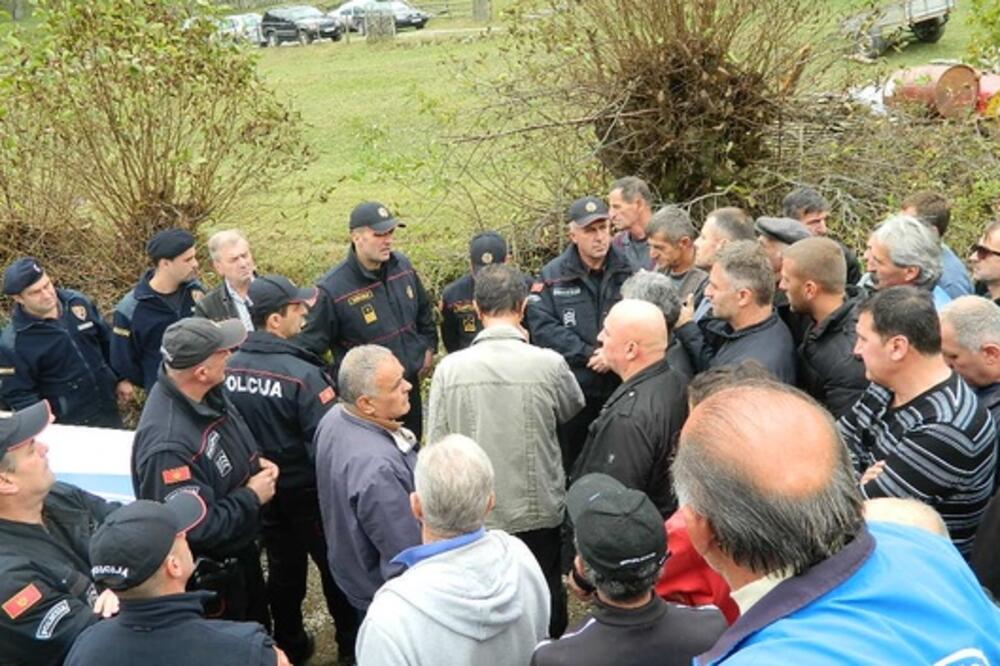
column 20, row 426
column 188, row 342
column 134, row 540
column 618, row 530
column 587, row 210
column 270, row 293
column 21, row 274
column 487, row 248
column 374, row 215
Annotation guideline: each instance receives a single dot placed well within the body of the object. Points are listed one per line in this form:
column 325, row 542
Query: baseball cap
column 270, row 293
column 587, row 210
column 487, row 248
column 21, row 274
column 618, row 530
column 783, row 229
column 188, row 342
column 20, row 426
column 375, row 215
column 134, row 540
column 169, row 243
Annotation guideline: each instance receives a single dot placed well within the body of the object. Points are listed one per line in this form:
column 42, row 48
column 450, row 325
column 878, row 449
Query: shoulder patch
column 7, row 371
column 537, row 287
column 176, row 474
column 22, row 601
column 126, row 307
column 326, row 395
column 47, row 626
column 124, row 332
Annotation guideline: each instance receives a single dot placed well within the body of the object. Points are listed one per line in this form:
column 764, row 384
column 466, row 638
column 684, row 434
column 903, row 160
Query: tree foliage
column 118, row 120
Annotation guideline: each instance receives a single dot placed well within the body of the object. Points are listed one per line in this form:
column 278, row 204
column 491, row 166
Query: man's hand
column 282, row 658
column 687, row 312
column 125, row 391
column 872, row 472
column 597, row 363
column 428, row 365
column 106, row 604
column 263, row 483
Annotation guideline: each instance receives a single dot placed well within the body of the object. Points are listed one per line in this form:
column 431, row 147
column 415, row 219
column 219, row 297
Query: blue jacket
column 364, row 483
column 894, row 595
column 954, row 276
column 171, row 630
column 63, row 360
column 356, row 306
column 140, row 319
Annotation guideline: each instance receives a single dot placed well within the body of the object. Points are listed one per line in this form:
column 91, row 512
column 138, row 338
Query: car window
column 305, row 12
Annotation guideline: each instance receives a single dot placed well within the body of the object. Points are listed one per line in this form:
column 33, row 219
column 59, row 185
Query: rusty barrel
column 949, row 90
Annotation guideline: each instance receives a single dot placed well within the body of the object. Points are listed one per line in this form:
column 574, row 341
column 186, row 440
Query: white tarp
column 96, row 459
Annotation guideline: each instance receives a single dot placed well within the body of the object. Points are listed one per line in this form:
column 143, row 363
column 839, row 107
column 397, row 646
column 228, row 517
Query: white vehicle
column 351, row 14
column 876, row 30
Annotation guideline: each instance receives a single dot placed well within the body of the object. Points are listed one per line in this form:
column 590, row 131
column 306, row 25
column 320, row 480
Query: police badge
column 80, row 312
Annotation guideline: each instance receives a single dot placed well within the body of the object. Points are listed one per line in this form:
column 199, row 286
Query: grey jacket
column 364, row 484
column 509, row 396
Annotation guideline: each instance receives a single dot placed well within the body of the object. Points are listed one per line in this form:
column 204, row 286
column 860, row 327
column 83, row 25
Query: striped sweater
column 939, row 448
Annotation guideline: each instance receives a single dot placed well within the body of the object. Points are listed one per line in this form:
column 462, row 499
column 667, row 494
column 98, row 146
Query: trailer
column 876, row 30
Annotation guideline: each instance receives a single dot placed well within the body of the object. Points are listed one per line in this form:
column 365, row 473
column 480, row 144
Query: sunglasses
column 982, row 252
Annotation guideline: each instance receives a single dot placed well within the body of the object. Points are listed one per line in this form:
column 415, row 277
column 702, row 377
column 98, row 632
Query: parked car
column 248, row 28
column 300, row 23
column 351, row 14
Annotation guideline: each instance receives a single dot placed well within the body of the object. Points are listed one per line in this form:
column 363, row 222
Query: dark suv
column 300, row 23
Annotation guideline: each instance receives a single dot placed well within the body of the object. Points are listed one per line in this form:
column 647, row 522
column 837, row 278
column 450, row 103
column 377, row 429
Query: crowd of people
column 733, row 443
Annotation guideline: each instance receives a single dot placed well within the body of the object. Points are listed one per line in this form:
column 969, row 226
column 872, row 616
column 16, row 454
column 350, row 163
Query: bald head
column 905, row 512
column 634, row 336
column 763, row 464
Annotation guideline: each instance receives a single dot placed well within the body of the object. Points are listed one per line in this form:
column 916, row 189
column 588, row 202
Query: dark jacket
column 712, row 343
column 828, row 370
column 282, row 393
column 139, row 321
column 567, row 308
column 633, row 438
column 459, row 323
column 984, row 559
column 217, row 305
column 170, row 630
column 45, row 588
column 854, row 272
column 356, row 306
column 63, row 360
column 657, row 634
column 205, row 447
column 364, row 483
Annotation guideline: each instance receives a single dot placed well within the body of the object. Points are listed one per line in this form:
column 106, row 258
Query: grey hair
column 223, row 239
column 655, row 288
column 801, row 201
column 454, row 481
column 356, row 376
column 910, row 242
column 748, row 267
column 638, row 584
column 672, row 223
column 762, row 531
column 632, row 187
column 976, row 321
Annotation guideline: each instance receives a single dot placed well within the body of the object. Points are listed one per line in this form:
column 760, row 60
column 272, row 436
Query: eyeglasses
column 982, row 252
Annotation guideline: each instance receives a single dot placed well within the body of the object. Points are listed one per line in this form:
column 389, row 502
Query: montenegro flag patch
column 22, row 601
column 176, row 474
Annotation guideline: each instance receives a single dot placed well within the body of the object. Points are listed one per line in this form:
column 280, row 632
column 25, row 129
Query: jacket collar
column 838, row 318
column 646, row 374
column 629, row 617
column 415, row 554
column 380, row 274
column 212, row 407
column 572, row 266
column 794, row 594
column 22, row 320
column 723, row 329
column 160, row 612
column 499, row 332
column 263, row 342
column 143, row 291
column 989, row 396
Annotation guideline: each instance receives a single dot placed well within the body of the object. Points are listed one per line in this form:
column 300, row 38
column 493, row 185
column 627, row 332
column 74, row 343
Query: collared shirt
column 243, row 306
column 414, row 554
column 751, row 593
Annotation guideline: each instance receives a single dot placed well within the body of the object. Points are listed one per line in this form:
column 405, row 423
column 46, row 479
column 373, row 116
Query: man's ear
column 415, row 508
column 364, row 405
column 7, row 484
column 898, row 347
column 991, row 353
column 475, row 308
column 699, row 530
column 745, row 296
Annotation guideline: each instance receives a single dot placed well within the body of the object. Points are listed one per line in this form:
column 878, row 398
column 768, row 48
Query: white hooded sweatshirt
column 484, row 602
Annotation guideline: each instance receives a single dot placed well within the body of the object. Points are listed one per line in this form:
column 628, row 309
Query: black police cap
column 587, row 210
column 169, row 243
column 270, row 293
column 374, row 215
column 21, row 274
column 487, row 248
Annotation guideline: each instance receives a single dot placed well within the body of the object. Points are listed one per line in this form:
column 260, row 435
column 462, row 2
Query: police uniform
column 282, row 391
column 566, row 311
column 206, row 447
column 459, row 323
column 63, row 360
column 140, row 319
column 166, row 628
column 387, row 307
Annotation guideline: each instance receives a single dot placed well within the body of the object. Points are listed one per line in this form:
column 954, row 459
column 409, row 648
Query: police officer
column 190, row 437
column 141, row 552
column 375, row 296
column 46, row 594
column 459, row 323
column 165, row 293
column 567, row 308
column 283, row 392
column 56, row 347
